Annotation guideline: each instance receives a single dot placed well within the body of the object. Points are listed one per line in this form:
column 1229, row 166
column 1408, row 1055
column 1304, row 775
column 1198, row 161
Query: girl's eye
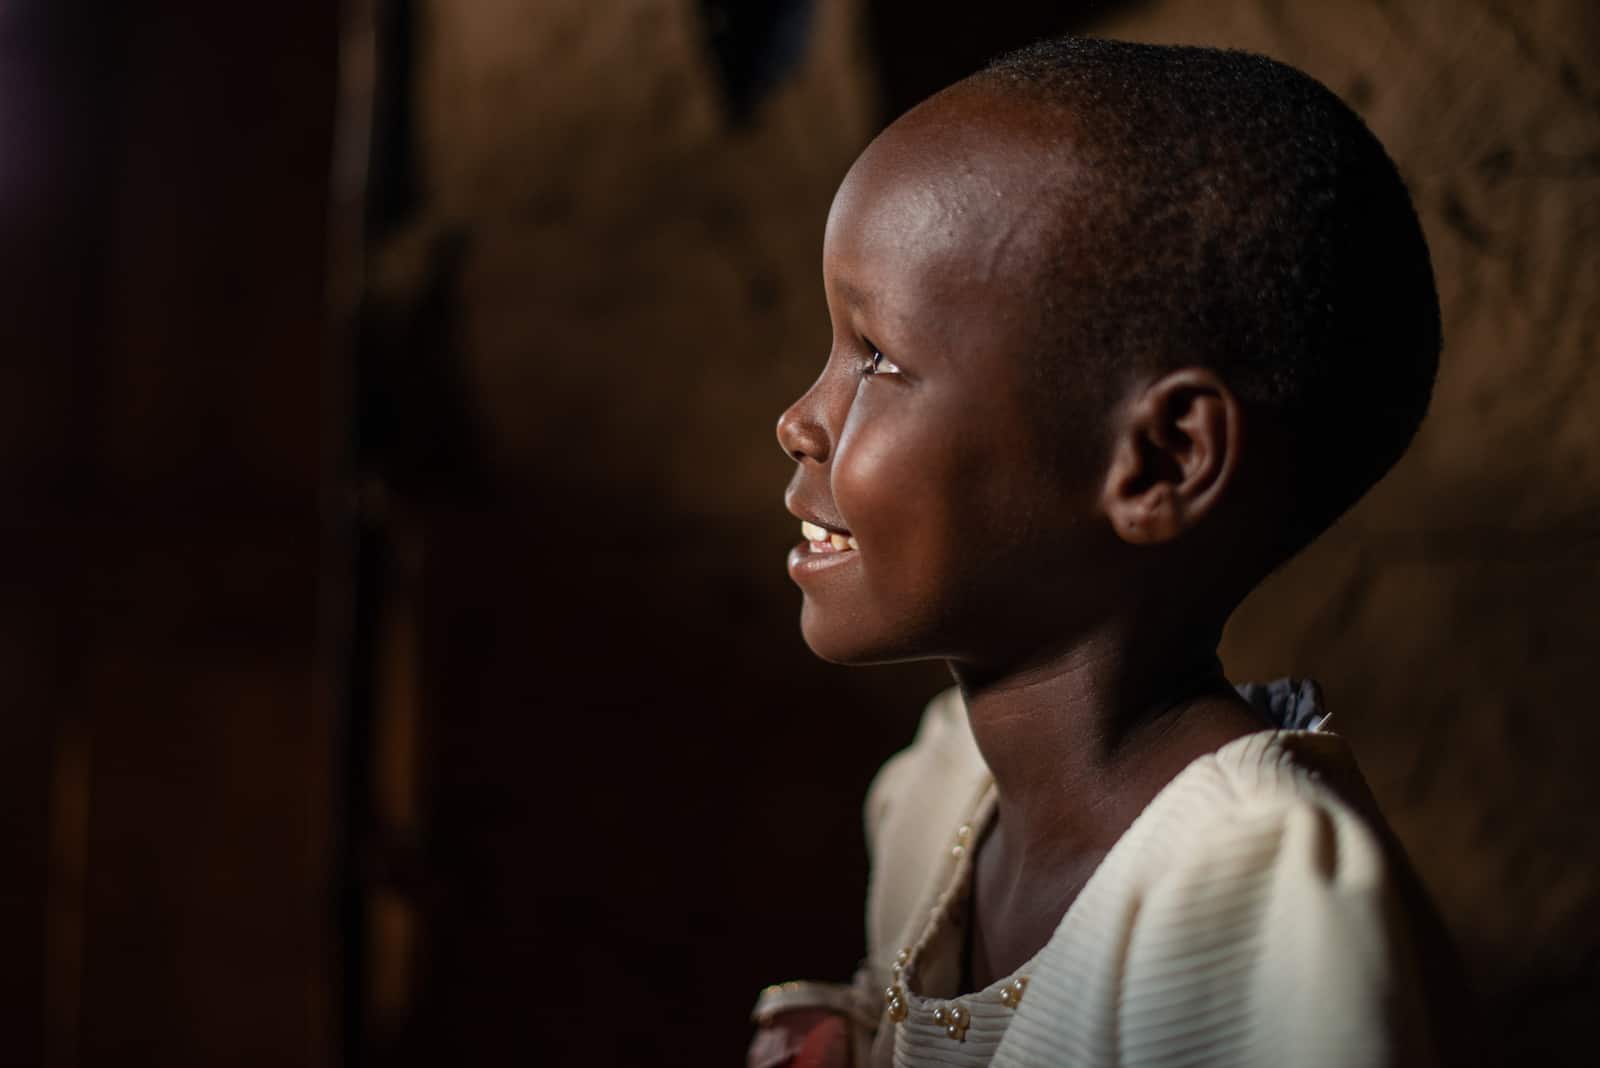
column 878, row 363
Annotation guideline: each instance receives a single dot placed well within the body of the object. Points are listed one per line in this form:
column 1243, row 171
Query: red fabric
column 827, row 1045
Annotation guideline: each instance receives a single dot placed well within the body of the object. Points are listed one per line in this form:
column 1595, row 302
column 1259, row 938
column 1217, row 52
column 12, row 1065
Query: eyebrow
column 853, row 294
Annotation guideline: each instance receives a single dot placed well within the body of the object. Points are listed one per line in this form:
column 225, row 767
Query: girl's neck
column 1080, row 741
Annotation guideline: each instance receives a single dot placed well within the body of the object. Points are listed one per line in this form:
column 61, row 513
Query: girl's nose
column 801, row 433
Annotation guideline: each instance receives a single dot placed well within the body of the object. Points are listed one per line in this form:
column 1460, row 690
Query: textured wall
column 1452, row 614
column 641, row 792
column 631, row 254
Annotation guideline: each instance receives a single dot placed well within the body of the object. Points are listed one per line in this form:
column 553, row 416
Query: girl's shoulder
column 932, row 771
column 917, row 804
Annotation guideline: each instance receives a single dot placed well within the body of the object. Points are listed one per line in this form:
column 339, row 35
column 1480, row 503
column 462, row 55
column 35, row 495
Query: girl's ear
column 1175, row 451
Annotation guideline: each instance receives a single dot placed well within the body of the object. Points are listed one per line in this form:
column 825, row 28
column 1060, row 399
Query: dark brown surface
column 625, row 768
column 164, row 775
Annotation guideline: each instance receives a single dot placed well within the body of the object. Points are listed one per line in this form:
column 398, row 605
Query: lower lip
column 805, row 561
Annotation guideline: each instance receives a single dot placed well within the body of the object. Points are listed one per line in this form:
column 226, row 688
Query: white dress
column 1249, row 916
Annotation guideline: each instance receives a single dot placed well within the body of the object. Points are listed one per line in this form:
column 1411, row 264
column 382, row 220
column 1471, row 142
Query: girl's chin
column 829, row 644
column 847, row 644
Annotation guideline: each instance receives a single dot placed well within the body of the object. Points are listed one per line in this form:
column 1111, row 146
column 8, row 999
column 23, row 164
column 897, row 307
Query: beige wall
column 1453, row 614
column 631, row 254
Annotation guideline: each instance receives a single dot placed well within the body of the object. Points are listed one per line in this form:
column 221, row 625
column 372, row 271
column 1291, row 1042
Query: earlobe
column 1175, row 451
column 1138, row 500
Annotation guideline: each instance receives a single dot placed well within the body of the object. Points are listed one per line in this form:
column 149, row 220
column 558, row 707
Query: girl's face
column 950, row 527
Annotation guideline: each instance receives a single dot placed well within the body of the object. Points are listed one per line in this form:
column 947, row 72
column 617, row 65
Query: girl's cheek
column 868, row 475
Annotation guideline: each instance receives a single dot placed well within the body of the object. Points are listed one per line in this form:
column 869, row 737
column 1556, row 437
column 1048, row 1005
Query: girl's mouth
column 823, row 550
column 823, row 540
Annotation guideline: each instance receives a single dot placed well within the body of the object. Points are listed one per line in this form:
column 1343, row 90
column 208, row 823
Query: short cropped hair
column 1234, row 213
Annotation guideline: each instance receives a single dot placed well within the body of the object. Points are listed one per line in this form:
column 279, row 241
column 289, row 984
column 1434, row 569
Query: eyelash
column 877, row 363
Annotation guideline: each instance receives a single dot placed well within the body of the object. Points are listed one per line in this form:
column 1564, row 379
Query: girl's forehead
column 964, row 210
column 967, row 174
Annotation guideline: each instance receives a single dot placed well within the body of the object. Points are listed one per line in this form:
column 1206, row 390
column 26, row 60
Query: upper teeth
column 813, row 532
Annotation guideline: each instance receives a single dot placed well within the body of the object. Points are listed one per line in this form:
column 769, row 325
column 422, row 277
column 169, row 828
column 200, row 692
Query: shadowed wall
column 638, row 791
column 163, row 779
column 1452, row 614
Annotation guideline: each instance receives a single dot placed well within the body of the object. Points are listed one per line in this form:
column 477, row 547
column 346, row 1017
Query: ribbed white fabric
column 1246, row 918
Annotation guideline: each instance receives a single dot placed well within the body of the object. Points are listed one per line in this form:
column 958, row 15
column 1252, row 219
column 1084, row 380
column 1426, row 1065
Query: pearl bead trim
column 1011, row 993
column 954, row 1019
column 950, row 1015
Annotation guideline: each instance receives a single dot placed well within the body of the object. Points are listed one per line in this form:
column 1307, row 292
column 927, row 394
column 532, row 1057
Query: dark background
column 400, row 663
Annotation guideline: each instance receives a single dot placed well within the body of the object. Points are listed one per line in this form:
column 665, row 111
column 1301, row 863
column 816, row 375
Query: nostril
column 800, row 438
column 807, row 444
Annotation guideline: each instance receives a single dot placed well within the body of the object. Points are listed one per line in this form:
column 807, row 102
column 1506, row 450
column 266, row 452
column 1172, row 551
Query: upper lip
column 831, row 528
column 803, row 511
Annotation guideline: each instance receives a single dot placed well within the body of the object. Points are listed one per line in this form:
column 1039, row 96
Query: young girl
column 1117, row 329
